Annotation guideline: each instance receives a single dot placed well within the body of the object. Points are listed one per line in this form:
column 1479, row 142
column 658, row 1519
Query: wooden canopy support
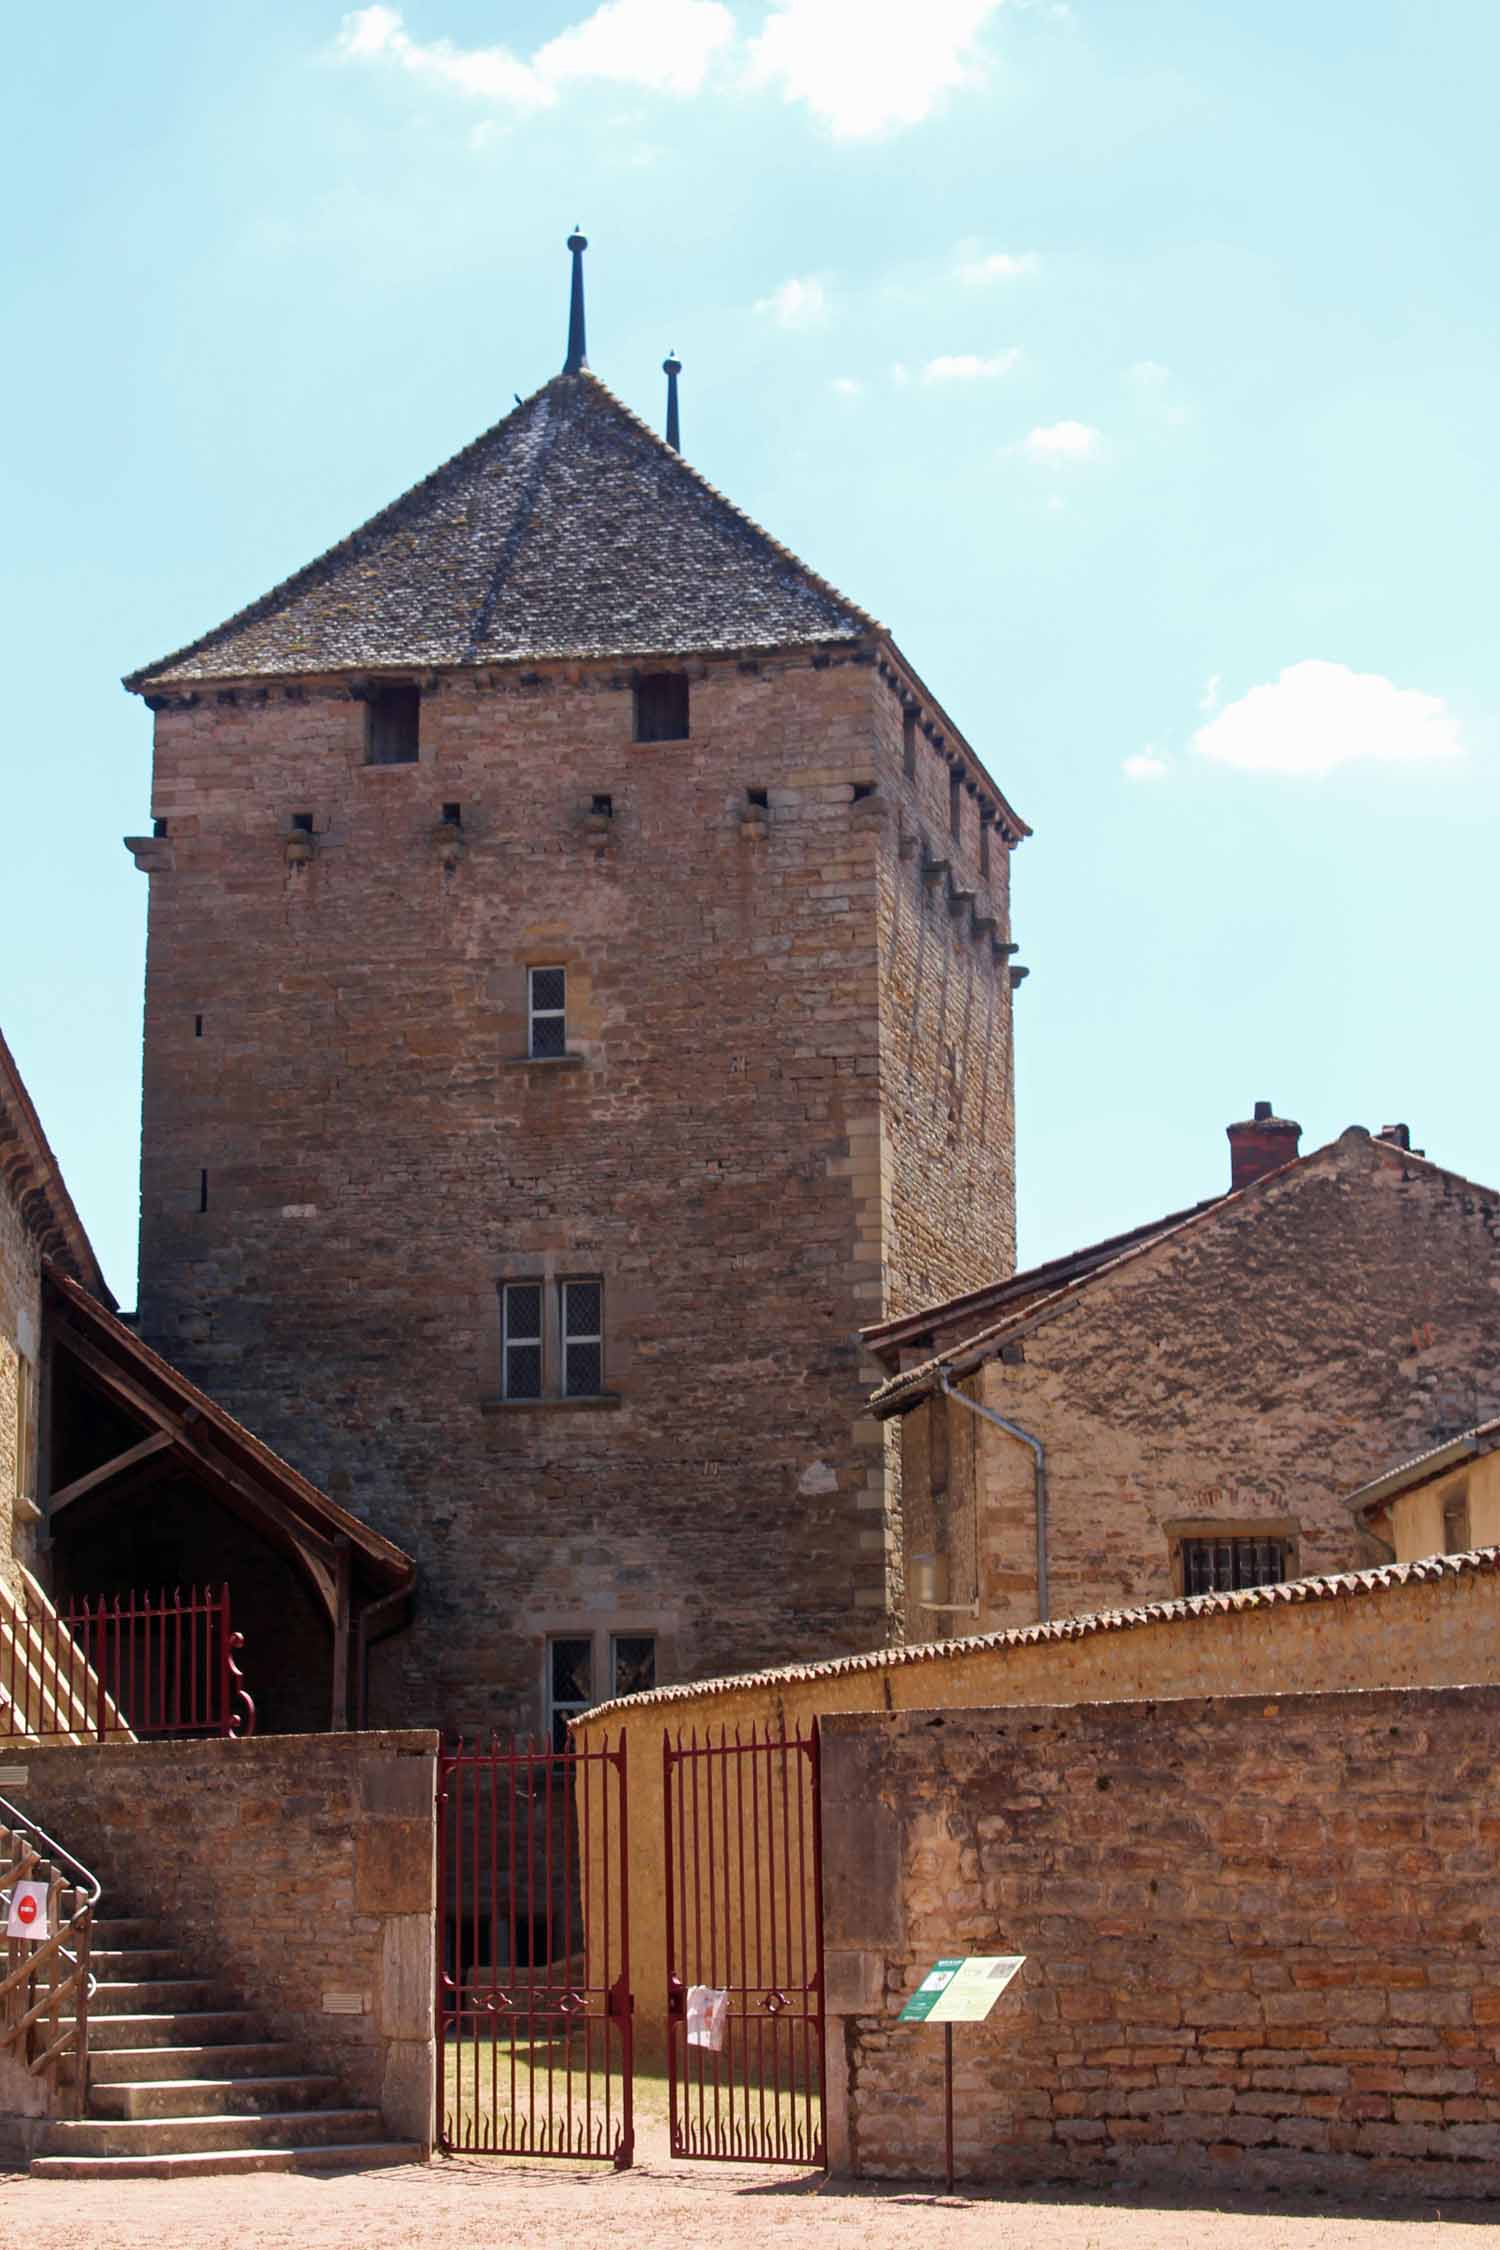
column 131, row 1458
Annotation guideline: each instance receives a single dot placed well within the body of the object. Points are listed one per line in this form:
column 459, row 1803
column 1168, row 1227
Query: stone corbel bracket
column 153, row 855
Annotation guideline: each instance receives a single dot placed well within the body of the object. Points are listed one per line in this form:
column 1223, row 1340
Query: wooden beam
column 317, row 1550
column 115, row 1467
column 341, row 1638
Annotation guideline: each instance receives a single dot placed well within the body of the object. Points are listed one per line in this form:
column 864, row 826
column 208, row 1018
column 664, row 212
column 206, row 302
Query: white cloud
column 1000, row 265
column 796, row 304
column 866, row 66
column 1209, row 699
column 667, row 45
column 1144, row 765
column 847, row 386
column 968, row 367
column 1149, row 375
column 1317, row 715
column 1064, row 441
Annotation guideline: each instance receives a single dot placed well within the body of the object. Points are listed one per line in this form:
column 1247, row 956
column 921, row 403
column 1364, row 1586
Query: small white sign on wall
column 28, row 1912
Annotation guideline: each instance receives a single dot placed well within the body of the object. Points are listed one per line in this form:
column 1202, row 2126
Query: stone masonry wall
column 1434, row 1625
column 335, row 1067
column 300, row 1869
column 1245, row 1376
column 1260, row 1941
column 20, row 1339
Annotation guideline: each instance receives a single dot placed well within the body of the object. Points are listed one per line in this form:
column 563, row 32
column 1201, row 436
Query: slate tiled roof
column 1344, row 1585
column 569, row 530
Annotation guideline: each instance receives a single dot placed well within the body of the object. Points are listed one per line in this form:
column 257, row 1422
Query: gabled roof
column 980, row 1308
column 905, row 1390
column 162, row 1394
column 33, row 1179
column 1423, row 1467
column 569, row 530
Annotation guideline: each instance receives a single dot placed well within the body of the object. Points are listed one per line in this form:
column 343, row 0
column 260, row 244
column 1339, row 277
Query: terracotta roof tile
column 1348, row 1585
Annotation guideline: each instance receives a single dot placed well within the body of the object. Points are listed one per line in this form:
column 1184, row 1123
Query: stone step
column 191, row 2136
column 212, row 2097
column 357, row 2156
column 181, row 2027
column 130, row 1964
column 144, row 2066
column 159, row 1996
column 128, row 1929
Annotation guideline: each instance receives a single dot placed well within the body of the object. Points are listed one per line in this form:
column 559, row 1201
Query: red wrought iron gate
column 744, row 1913
column 534, row 2002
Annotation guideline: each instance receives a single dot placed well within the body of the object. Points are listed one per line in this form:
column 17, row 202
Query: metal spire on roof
column 671, row 367
column 578, row 354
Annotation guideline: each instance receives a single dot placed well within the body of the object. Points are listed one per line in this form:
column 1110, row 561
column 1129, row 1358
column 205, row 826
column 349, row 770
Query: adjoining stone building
column 578, row 997
column 1442, row 1503
column 1190, row 1406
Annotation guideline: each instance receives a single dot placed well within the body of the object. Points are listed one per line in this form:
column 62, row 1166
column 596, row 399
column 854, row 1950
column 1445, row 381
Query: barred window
column 521, row 1312
column 632, row 1663
column 570, row 1684
column 547, row 995
column 582, row 1305
column 1220, row 1566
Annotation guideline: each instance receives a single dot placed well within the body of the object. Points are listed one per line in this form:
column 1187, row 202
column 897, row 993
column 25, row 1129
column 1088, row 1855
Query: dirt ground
column 467, row 2201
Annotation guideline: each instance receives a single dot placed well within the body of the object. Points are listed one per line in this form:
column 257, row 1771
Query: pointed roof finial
column 671, row 367
column 578, row 352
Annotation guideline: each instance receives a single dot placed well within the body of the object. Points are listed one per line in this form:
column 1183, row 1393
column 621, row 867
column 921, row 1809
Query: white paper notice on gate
column 28, row 1912
column 707, row 2014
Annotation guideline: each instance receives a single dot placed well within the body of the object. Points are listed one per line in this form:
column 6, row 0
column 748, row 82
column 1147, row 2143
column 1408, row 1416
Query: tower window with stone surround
column 393, row 722
column 521, row 1313
column 582, row 1310
column 661, row 707
column 547, row 1000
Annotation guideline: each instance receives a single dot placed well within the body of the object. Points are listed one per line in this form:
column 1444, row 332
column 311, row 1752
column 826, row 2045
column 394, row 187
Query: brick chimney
column 1261, row 1144
column 1399, row 1136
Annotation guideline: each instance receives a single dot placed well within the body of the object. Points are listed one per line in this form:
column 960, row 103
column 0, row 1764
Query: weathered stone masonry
column 1260, row 1940
column 790, row 1069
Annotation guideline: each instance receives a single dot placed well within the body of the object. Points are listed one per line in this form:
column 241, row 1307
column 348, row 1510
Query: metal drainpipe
column 1039, row 1458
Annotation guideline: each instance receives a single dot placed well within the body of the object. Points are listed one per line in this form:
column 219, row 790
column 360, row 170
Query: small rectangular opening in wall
column 453, row 816
column 760, row 798
column 604, row 804
column 303, row 823
column 393, row 718
column 158, row 827
column 197, row 1027
column 203, row 1191
column 984, row 847
column 909, row 743
column 661, row 707
column 955, row 804
column 863, row 789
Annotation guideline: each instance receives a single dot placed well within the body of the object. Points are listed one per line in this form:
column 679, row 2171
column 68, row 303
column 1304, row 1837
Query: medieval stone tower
column 578, row 998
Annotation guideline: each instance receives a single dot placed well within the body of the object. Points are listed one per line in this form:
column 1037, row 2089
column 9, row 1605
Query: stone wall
column 346, row 1152
column 20, row 1358
column 1260, row 1941
column 1245, row 1375
column 1432, row 1625
column 300, row 1869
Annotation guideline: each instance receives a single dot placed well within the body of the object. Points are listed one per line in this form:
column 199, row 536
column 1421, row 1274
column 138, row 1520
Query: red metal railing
column 112, row 1666
column 535, row 2050
column 744, row 1897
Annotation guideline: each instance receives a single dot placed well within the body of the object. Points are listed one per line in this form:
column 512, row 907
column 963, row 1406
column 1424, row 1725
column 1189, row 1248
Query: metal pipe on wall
column 1039, row 1469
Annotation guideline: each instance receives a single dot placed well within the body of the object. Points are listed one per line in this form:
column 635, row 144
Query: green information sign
column 961, row 1988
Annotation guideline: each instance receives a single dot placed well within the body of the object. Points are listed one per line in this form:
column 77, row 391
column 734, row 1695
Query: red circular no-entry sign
column 26, row 1909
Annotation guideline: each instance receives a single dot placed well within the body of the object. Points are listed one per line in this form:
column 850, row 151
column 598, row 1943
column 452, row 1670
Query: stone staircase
column 185, row 2079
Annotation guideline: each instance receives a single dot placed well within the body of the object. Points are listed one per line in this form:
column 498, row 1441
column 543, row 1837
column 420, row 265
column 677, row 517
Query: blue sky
column 1135, row 360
